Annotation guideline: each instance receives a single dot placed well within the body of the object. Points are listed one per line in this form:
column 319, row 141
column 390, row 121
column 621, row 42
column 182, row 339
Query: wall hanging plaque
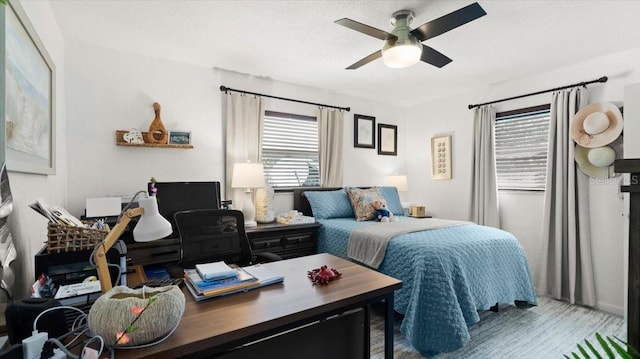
column 441, row 157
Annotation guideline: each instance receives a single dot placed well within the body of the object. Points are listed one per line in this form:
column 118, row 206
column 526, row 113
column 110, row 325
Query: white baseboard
column 609, row 308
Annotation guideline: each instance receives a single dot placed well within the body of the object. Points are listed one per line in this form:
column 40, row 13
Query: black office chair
column 211, row 235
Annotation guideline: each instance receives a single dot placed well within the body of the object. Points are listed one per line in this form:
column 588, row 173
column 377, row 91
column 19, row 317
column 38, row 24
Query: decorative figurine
column 323, row 275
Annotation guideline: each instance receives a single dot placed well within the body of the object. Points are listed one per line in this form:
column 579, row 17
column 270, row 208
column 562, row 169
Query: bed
column 448, row 273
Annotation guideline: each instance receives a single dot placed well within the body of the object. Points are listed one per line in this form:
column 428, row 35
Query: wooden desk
column 220, row 324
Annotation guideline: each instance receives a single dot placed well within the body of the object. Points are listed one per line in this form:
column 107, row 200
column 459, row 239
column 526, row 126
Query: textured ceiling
column 297, row 41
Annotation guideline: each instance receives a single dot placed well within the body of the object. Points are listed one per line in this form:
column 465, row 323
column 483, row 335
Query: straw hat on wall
column 596, row 125
column 596, row 162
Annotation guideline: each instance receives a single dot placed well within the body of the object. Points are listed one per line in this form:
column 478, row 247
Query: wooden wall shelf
column 121, row 142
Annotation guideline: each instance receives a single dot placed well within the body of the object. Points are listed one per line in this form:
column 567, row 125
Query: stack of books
column 217, row 279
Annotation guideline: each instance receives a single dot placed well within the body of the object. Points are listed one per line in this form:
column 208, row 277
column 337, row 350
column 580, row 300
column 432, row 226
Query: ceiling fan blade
column 433, row 57
column 376, row 55
column 365, row 29
column 448, row 22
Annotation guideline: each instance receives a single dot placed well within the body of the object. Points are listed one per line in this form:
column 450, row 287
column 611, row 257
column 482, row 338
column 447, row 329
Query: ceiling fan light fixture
column 401, row 56
column 405, row 49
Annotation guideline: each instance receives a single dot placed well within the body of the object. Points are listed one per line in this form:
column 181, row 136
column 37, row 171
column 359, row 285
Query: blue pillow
column 392, row 197
column 329, row 204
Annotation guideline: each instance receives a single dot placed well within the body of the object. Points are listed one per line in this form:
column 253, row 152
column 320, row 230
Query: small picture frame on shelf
column 179, row 137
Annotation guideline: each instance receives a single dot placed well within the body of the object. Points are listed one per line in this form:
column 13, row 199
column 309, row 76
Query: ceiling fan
column 403, row 47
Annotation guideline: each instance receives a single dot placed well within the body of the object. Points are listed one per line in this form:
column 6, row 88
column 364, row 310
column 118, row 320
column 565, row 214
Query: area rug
column 548, row 330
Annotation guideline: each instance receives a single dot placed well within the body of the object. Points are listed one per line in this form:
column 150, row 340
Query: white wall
column 109, row 91
column 113, row 90
column 519, row 212
column 28, row 228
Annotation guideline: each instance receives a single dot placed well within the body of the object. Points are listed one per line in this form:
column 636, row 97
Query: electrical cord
column 124, row 210
column 95, row 248
column 93, row 263
column 35, row 321
column 74, row 330
column 80, row 327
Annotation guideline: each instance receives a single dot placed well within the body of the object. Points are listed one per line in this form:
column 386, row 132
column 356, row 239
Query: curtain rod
column 602, row 79
column 226, row 89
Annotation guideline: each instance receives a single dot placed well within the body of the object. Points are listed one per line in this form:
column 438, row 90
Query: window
column 290, row 150
column 521, row 148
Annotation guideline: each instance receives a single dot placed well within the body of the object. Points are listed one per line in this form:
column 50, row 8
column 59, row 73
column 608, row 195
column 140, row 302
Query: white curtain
column 330, row 125
column 245, row 115
column 484, row 191
column 566, row 271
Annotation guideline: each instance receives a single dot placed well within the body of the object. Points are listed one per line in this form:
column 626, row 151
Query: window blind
column 290, row 150
column 521, row 150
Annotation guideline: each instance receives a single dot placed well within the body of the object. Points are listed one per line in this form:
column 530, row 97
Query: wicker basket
column 62, row 238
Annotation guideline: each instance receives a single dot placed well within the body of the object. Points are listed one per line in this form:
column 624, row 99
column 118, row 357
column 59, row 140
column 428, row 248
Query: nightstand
column 287, row 241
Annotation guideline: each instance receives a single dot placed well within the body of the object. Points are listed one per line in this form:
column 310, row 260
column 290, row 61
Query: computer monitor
column 183, row 196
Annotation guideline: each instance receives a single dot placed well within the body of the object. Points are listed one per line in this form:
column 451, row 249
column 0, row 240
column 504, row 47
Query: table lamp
column 398, row 181
column 248, row 175
column 150, row 226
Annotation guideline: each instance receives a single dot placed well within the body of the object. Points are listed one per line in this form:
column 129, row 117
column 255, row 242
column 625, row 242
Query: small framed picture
column 364, row 131
column 387, row 139
column 179, row 138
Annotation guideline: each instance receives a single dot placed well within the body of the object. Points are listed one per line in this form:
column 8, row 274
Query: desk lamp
column 248, row 175
column 151, row 226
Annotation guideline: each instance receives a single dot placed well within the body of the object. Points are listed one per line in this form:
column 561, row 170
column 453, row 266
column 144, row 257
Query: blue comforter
column 448, row 274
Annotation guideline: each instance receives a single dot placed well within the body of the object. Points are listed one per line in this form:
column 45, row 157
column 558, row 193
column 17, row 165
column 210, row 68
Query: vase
column 157, row 131
column 264, row 205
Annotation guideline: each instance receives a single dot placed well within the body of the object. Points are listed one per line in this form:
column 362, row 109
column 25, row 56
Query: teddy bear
column 382, row 213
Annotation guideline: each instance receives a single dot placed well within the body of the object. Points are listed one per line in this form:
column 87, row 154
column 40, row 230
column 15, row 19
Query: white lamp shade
column 398, row 181
column 151, row 225
column 248, row 175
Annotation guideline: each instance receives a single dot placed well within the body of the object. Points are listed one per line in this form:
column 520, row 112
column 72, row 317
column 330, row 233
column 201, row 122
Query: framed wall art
column 179, row 137
column 441, row 157
column 364, row 131
column 30, row 97
column 387, row 139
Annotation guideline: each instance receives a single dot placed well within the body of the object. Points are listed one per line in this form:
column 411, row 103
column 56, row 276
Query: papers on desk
column 55, row 214
column 76, row 289
column 248, row 278
column 264, row 275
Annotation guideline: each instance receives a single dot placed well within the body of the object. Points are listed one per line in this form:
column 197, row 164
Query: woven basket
column 62, row 238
